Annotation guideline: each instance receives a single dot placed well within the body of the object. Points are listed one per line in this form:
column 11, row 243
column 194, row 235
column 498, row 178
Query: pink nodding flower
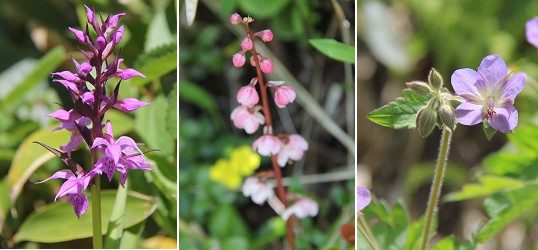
column 236, row 19
column 247, row 95
column 302, row 208
column 258, row 190
column 265, row 35
column 293, row 148
column 239, row 59
column 284, row 95
column 266, row 65
column 246, row 44
column 248, row 118
column 267, row 145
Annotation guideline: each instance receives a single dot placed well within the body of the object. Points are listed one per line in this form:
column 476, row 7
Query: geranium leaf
column 400, row 113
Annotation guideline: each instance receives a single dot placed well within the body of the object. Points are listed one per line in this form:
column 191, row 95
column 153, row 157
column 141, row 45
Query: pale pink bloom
column 239, row 59
column 267, row 145
column 248, row 118
column 293, row 147
column 266, row 65
column 246, row 44
column 265, row 35
column 258, row 190
column 235, row 19
column 284, row 95
column 302, row 208
column 247, row 96
column 252, row 61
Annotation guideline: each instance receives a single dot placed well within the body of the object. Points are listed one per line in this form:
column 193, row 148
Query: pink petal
column 363, row 198
column 128, row 74
column 79, row 202
column 73, row 143
column 62, row 174
column 125, row 141
column 81, row 37
column 64, row 116
column 98, row 142
column 129, row 104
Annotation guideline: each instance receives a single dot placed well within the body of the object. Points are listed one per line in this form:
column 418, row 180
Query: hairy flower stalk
column 90, row 106
column 281, row 148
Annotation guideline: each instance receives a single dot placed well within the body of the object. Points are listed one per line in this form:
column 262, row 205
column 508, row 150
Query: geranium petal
column 531, row 31
column 467, row 83
column 513, row 86
column 506, row 118
column 493, row 69
column 363, row 198
column 469, row 114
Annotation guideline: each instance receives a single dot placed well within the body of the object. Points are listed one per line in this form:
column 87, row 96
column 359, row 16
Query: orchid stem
column 436, row 185
column 96, row 208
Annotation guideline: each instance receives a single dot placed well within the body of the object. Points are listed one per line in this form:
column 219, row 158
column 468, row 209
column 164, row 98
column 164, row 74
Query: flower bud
column 435, row 79
column 239, row 59
column 446, row 115
column 235, row 19
column 265, row 35
column 247, row 96
column 419, row 87
column 284, row 95
column 426, row 120
column 266, row 65
column 246, row 44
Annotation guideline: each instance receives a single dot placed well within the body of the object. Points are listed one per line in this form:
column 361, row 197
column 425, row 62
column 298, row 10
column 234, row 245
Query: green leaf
column 400, row 113
column 191, row 92
column 4, row 201
column 226, row 222
column 30, row 157
column 115, row 223
column 525, row 139
column 486, row 185
column 158, row 32
column 57, row 222
column 156, row 68
column 519, row 201
column 506, row 163
column 131, row 236
column 414, row 233
column 41, row 71
column 262, row 8
column 334, row 49
column 151, row 126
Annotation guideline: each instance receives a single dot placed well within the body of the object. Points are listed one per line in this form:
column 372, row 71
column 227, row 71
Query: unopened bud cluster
column 439, row 111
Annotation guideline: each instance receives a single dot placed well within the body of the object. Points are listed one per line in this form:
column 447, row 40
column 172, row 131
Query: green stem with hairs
column 365, row 230
column 436, row 185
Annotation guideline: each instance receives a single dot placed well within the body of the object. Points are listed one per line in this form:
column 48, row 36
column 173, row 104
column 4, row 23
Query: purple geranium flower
column 531, row 31
column 363, row 198
column 73, row 187
column 488, row 93
column 118, row 155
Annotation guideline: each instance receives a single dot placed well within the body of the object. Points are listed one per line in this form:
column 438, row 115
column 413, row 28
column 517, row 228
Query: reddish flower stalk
column 281, row 191
column 282, row 148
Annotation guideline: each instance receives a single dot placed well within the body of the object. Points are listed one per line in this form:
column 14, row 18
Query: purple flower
column 73, row 187
column 488, row 94
column 129, row 104
column 118, row 155
column 531, row 31
column 363, row 198
column 76, row 137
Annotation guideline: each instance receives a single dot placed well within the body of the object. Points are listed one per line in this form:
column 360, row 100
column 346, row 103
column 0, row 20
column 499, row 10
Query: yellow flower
column 244, row 160
column 223, row 172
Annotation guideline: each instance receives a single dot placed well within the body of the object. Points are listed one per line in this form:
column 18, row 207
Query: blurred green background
column 399, row 41
column 35, row 41
column 210, row 214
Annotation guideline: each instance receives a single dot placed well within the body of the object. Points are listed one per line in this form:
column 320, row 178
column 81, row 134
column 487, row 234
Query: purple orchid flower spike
column 488, row 94
column 113, row 151
column 363, row 198
column 73, row 187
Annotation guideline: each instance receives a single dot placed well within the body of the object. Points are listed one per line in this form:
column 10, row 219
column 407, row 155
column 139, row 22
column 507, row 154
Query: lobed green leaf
column 400, row 113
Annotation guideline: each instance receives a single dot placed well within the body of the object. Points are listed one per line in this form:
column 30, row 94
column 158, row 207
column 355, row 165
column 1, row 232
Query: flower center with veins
column 490, row 113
